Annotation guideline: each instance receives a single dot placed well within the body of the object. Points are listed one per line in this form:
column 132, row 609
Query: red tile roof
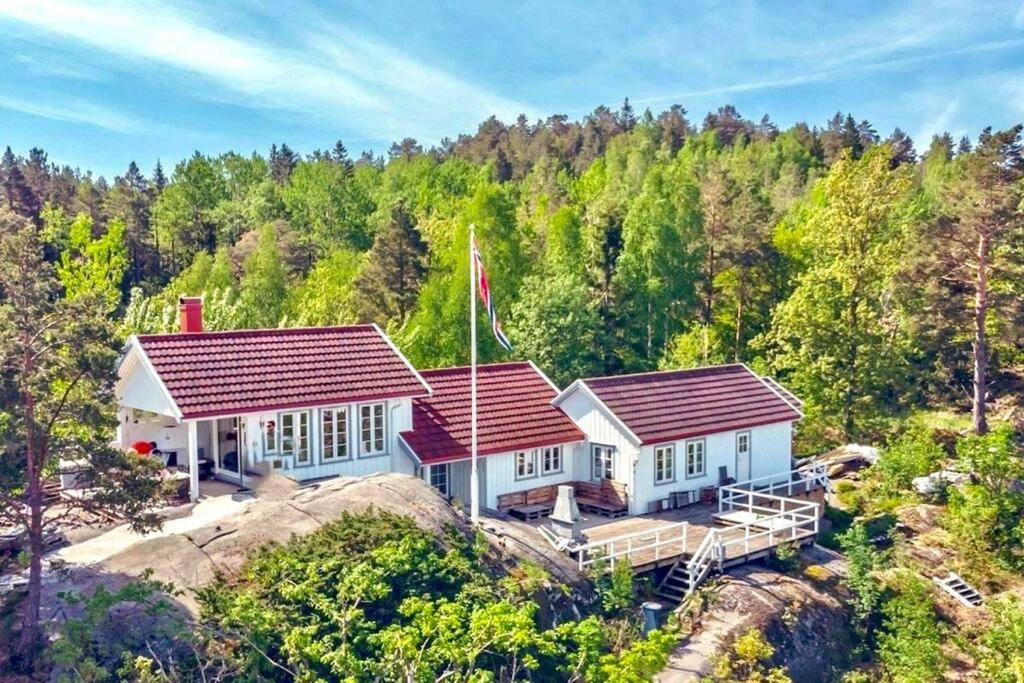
column 679, row 404
column 242, row 371
column 514, row 412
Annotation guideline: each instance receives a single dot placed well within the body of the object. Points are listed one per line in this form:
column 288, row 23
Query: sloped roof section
column 244, row 371
column 786, row 394
column 681, row 404
column 514, row 412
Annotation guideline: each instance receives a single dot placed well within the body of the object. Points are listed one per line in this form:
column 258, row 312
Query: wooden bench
column 529, row 512
column 607, row 498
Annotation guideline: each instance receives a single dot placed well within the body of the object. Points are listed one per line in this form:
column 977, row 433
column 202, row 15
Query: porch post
column 193, row 461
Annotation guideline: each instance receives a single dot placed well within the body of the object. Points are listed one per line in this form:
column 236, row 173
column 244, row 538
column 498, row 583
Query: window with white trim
column 439, row 478
column 664, row 464
column 601, row 462
column 334, row 434
column 743, row 443
column 551, row 460
column 371, row 429
column 696, row 465
column 269, row 430
column 295, row 436
column 526, row 464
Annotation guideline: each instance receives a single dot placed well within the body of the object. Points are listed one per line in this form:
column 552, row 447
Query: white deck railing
column 670, row 536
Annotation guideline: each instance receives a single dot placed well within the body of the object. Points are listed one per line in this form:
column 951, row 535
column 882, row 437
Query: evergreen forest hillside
column 870, row 276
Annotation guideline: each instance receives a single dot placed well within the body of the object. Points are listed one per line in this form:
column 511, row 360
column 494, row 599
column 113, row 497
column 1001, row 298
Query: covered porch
column 209, row 456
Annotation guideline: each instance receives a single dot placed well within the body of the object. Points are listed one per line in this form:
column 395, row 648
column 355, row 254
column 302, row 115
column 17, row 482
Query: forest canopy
column 847, row 265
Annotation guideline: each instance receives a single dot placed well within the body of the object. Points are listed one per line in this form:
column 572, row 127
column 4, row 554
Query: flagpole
column 474, row 480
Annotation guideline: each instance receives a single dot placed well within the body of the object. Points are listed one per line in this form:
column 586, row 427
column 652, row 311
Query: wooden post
column 193, row 461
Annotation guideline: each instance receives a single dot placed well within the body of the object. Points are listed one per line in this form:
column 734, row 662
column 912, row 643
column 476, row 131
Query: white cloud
column 73, row 111
column 335, row 75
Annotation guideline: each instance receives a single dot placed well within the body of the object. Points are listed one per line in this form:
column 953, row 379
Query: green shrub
column 915, row 453
column 910, row 640
column 748, row 660
column 984, row 515
column 1000, row 655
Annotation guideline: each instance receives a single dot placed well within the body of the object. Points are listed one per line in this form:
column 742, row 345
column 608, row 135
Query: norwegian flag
column 485, row 296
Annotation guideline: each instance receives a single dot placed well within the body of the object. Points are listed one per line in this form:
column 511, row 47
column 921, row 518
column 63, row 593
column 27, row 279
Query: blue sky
column 98, row 84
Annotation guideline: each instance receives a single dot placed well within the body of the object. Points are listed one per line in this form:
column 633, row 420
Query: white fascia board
column 774, row 391
column 581, row 385
column 133, row 341
column 405, row 360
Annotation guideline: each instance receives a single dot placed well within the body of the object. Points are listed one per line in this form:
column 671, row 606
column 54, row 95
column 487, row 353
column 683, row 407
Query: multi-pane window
column 334, row 434
column 439, row 478
column 695, row 463
column 551, row 459
column 743, row 443
column 664, row 464
column 526, row 464
column 371, row 428
column 269, row 429
column 602, row 462
column 295, row 436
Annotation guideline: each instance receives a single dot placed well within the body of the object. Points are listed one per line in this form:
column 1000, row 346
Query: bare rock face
column 802, row 618
column 281, row 510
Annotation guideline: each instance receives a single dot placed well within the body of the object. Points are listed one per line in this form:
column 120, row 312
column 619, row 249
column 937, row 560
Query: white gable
column 139, row 387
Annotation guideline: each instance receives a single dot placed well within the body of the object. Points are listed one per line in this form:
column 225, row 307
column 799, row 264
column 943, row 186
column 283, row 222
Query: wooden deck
column 660, row 539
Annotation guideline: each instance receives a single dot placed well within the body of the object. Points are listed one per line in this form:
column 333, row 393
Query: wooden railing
column 667, row 541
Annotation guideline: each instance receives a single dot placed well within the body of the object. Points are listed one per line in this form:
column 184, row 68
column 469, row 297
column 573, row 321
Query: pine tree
column 902, row 148
column 980, row 245
column 282, row 162
column 20, row 197
column 340, row 156
column 626, row 117
column 58, row 369
column 388, row 285
column 159, row 179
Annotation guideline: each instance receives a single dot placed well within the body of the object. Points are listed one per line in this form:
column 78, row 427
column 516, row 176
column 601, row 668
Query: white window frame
column 300, row 452
column 664, row 464
column 331, row 419
column 446, row 469
column 551, row 455
column 270, row 445
column 525, row 464
column 607, row 464
column 693, row 447
column 365, row 450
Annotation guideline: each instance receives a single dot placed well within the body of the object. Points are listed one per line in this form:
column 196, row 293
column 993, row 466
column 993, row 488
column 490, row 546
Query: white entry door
column 742, row 456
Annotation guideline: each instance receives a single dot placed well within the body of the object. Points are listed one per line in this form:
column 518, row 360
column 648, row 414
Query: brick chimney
column 190, row 313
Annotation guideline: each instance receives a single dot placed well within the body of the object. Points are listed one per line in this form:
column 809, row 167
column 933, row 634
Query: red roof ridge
column 710, row 369
column 222, row 334
column 480, row 366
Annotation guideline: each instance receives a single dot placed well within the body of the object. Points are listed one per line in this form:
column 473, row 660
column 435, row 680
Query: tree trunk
column 30, row 610
column 980, row 338
column 740, row 295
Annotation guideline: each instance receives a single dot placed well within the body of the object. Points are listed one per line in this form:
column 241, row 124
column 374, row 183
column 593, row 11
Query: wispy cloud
column 846, row 69
column 74, row 111
column 335, row 75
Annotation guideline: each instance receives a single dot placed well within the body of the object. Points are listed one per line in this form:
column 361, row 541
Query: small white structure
column 669, row 435
column 308, row 402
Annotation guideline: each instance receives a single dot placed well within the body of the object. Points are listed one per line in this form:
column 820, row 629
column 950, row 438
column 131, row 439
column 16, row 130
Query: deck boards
column 701, row 519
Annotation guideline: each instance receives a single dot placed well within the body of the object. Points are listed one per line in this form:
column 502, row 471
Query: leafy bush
column 863, row 560
column 614, row 588
column 915, row 453
column 910, row 640
column 785, row 558
column 373, row 596
column 986, row 515
column 748, row 660
column 1000, row 655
